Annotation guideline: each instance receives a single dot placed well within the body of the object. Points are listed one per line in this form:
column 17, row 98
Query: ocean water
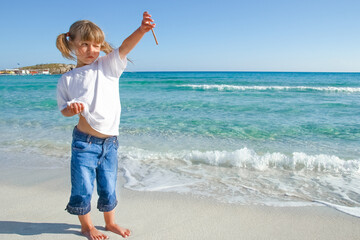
column 278, row 139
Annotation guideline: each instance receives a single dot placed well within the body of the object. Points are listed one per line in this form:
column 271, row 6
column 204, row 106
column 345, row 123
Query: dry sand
column 33, row 200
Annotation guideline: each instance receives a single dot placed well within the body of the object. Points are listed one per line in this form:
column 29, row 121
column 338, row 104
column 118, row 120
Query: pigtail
column 106, row 47
column 63, row 45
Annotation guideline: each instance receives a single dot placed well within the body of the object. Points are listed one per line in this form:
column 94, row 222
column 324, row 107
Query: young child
column 92, row 91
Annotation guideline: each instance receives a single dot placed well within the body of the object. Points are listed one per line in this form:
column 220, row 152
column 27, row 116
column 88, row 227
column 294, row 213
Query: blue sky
column 193, row 35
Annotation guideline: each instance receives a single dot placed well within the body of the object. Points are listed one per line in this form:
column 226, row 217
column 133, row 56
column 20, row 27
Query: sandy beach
column 33, row 202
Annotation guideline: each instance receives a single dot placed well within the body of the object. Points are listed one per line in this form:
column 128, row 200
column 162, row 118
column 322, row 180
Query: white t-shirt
column 96, row 86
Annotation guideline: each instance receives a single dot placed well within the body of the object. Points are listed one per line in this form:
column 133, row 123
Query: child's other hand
column 147, row 23
column 75, row 108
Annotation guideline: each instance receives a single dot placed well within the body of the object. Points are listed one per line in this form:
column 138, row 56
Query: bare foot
column 118, row 230
column 93, row 234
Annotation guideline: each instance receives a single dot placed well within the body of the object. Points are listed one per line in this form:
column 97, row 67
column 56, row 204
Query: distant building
column 44, row 71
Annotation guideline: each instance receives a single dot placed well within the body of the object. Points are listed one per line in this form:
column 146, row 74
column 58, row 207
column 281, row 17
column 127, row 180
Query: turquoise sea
column 279, row 139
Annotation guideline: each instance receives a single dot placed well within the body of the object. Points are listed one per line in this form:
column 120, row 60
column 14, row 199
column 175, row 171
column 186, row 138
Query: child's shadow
column 29, row 228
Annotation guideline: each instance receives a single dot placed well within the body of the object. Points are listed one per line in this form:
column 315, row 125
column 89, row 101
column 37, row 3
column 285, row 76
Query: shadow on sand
column 28, row 228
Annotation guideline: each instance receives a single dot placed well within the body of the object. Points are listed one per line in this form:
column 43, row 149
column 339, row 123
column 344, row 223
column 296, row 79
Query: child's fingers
column 147, row 17
column 80, row 107
column 71, row 107
column 76, row 108
column 148, row 24
column 147, row 21
column 146, row 14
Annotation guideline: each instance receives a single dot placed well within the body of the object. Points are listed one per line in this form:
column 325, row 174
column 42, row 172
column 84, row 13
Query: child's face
column 86, row 51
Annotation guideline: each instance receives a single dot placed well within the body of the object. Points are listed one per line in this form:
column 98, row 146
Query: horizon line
column 244, row 71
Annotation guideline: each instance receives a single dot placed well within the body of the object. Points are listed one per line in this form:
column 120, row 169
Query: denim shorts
column 92, row 158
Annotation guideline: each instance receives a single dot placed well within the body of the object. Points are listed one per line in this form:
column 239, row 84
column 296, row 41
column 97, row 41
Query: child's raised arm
column 130, row 42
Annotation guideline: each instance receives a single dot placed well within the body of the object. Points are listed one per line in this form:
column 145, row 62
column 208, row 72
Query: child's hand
column 147, row 23
column 75, row 108
column 130, row 42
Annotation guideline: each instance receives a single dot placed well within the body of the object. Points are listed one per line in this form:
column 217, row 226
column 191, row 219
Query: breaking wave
column 249, row 159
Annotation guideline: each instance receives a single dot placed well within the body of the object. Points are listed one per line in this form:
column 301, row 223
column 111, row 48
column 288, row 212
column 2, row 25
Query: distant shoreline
column 39, row 69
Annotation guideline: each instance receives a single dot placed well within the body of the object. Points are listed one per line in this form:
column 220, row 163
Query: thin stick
column 154, row 36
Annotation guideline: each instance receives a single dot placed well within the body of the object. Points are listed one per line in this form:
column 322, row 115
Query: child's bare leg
column 88, row 229
column 110, row 225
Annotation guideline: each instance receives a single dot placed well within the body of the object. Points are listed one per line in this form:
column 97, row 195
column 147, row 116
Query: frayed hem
column 78, row 210
column 107, row 208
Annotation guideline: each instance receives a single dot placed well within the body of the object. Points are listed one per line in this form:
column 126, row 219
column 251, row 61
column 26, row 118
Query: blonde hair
column 88, row 31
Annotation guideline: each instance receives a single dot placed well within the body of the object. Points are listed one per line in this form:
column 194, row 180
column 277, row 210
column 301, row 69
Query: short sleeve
column 62, row 96
column 112, row 64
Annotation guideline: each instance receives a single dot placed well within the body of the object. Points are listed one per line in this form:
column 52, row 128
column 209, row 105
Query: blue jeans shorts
column 92, row 158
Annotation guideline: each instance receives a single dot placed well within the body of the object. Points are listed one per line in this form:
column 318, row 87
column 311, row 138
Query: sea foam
column 244, row 176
